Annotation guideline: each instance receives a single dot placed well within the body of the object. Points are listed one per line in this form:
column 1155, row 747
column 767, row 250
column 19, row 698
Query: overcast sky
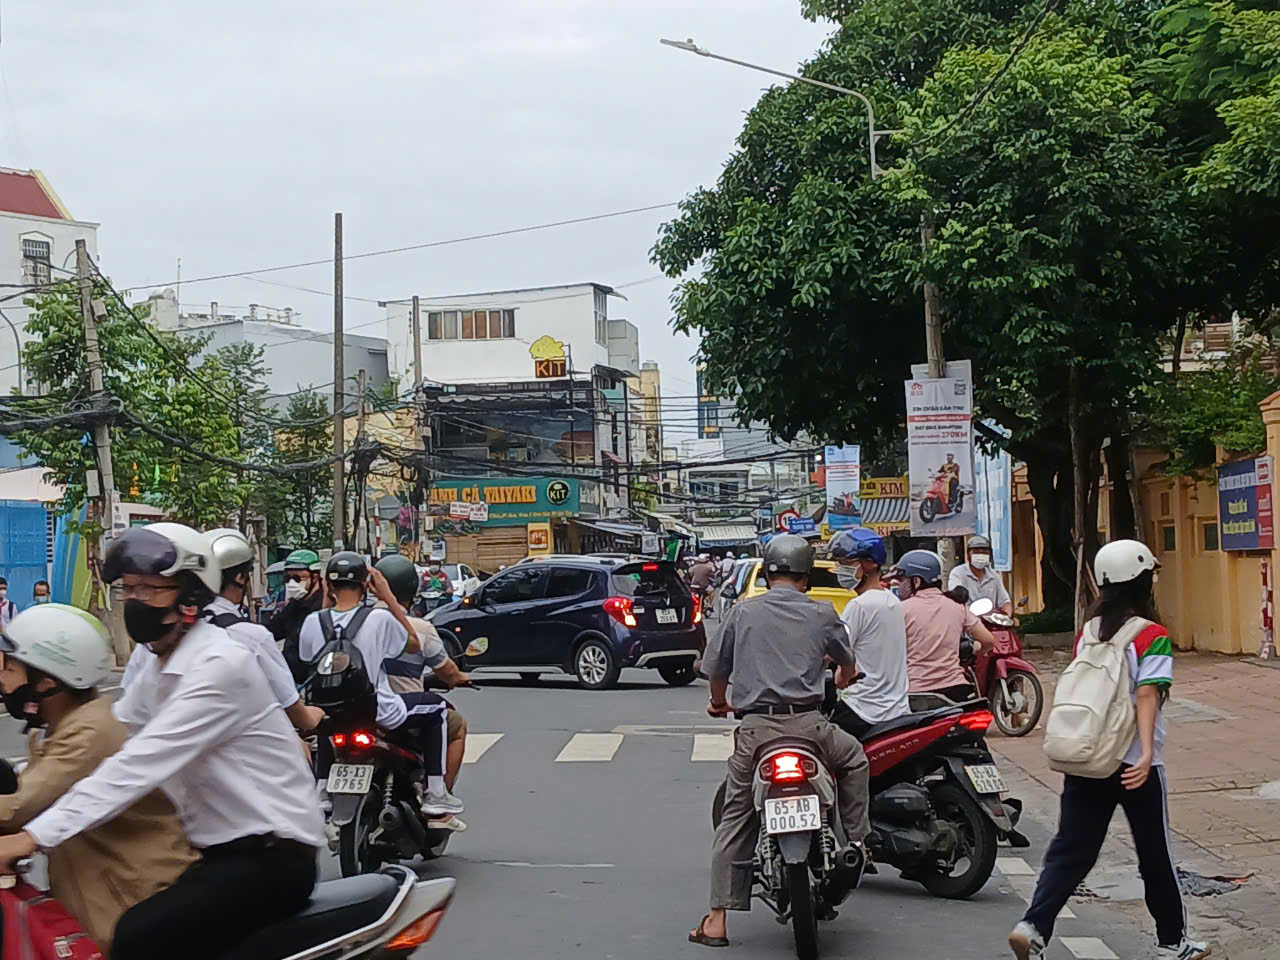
column 227, row 134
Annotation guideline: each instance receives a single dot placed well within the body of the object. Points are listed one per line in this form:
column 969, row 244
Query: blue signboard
column 993, row 488
column 1245, row 515
column 802, row 525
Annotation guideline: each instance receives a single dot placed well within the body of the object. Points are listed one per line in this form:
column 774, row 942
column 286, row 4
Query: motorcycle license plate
column 792, row 814
column 666, row 615
column 986, row 778
column 350, row 777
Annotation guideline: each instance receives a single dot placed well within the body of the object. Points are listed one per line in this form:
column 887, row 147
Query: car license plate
column 791, row 814
column 986, row 778
column 350, row 777
column 667, row 615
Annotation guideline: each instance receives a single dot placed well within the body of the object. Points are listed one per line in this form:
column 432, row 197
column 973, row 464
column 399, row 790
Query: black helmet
column 346, row 566
column 924, row 564
column 788, row 553
column 402, row 576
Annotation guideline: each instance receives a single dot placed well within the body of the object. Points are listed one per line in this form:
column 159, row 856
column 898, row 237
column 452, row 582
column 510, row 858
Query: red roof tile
column 21, row 192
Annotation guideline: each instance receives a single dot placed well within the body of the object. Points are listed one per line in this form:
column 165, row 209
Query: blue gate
column 23, row 547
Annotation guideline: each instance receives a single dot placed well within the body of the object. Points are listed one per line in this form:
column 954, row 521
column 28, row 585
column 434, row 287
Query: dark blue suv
column 587, row 617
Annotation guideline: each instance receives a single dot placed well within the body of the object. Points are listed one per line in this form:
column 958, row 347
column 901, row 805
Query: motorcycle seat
column 784, row 743
column 909, row 721
column 337, row 907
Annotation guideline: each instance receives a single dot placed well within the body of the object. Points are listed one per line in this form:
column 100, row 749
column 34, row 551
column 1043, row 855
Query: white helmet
column 163, row 549
column 1123, row 560
column 729, row 555
column 69, row 644
column 230, row 547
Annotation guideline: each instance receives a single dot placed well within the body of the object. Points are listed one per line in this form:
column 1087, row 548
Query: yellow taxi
column 823, row 585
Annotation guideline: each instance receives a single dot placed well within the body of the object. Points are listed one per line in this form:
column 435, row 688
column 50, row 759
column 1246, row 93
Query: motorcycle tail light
column 338, row 739
column 788, row 768
column 697, row 609
column 362, row 739
column 620, row 608
column 416, row 933
column 978, row 721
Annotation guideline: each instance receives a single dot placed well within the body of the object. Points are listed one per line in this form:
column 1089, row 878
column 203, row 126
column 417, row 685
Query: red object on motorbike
column 788, row 768
column 38, row 927
column 895, row 747
column 697, row 608
column 1002, row 675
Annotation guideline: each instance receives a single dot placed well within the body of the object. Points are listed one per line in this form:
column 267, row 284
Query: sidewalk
column 1222, row 759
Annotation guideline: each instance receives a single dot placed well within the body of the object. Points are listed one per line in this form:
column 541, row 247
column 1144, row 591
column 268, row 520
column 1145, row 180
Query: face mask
column 850, row 578
column 144, row 622
column 433, row 570
column 295, row 590
column 3, row 592
column 979, row 561
column 24, row 704
column 906, row 589
column 44, row 599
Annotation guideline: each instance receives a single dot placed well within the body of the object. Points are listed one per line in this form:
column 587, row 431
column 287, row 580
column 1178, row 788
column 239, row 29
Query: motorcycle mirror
column 981, row 607
column 477, row 646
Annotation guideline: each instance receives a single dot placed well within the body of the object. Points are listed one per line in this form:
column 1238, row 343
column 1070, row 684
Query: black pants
column 959, row 693
column 232, row 891
column 1086, row 809
column 850, row 721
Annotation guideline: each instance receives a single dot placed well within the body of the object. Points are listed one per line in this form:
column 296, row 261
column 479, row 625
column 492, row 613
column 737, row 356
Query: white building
column 487, row 337
column 37, row 245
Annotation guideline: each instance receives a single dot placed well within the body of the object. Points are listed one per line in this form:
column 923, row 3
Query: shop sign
column 1245, row 512
column 504, row 501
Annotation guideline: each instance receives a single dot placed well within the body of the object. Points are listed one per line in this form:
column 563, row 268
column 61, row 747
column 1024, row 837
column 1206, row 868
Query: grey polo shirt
column 989, row 586
column 771, row 648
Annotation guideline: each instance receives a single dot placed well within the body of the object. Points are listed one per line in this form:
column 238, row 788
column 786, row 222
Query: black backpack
column 339, row 682
column 225, row 620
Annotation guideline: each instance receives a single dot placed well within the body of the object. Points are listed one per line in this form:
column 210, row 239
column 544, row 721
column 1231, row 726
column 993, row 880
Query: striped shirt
column 1150, row 659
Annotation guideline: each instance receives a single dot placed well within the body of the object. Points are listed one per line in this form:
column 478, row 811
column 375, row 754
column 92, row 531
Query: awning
column 614, row 528
column 886, row 510
column 725, row 534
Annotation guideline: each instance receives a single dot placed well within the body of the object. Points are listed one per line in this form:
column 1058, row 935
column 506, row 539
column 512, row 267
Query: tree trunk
column 1122, row 515
column 1050, row 482
column 1178, row 337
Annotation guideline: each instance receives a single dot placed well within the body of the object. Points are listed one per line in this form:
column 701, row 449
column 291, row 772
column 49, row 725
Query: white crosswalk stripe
column 712, row 747
column 1088, row 948
column 590, row 748
column 477, row 744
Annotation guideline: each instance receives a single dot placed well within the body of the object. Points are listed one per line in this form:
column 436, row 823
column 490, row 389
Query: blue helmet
column 858, row 543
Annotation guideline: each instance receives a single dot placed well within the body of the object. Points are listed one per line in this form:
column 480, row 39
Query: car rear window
column 637, row 581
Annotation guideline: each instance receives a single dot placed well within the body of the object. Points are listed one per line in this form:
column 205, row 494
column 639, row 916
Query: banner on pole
column 993, row 479
column 940, row 456
column 844, row 485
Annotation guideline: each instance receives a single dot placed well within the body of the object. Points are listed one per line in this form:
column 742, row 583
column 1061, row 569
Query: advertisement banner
column 844, row 485
column 503, row 501
column 993, row 496
column 1246, row 517
column 940, row 456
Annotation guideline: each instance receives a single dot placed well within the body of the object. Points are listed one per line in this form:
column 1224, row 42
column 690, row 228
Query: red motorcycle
column 1010, row 683
column 936, row 502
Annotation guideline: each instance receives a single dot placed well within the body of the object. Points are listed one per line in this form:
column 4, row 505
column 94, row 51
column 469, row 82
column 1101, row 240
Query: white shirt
column 990, row 586
column 878, row 634
column 8, row 610
column 726, row 566
column 379, row 639
column 258, row 640
column 205, row 728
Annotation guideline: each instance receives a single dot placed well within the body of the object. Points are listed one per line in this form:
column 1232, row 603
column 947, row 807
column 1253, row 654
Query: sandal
column 702, row 940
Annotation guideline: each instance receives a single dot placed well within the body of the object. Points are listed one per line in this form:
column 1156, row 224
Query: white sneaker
column 1026, row 942
column 331, row 835
column 441, row 804
column 1188, row 949
column 455, row 824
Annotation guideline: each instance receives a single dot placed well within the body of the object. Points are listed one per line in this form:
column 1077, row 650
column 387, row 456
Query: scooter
column 935, row 505
column 1009, row 682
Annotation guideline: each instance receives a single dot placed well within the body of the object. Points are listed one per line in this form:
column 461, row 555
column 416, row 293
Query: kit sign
column 504, row 501
column 1246, row 518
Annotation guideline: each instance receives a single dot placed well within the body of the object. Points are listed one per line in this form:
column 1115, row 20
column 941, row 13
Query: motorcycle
column 431, row 600
column 936, row 505
column 1009, row 682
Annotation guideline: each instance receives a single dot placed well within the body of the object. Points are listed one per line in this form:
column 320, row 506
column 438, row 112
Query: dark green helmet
column 402, row 576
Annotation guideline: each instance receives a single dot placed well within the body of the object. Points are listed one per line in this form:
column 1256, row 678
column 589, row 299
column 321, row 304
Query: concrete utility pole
column 937, row 367
column 339, row 378
column 417, row 345
column 362, row 505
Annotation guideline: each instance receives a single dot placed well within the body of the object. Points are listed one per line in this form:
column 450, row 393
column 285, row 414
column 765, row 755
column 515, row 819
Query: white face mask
column 295, row 589
column 980, row 561
column 850, row 578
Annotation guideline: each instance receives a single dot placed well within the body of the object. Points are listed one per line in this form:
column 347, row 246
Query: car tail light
column 978, row 721
column 416, row 933
column 788, row 768
column 620, row 609
column 650, row 568
column 697, row 609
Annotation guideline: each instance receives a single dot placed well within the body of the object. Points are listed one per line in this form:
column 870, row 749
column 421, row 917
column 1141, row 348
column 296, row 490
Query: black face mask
column 23, row 704
column 144, row 622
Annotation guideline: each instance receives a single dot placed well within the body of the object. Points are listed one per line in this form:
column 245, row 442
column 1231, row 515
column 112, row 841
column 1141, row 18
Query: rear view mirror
column 981, row 607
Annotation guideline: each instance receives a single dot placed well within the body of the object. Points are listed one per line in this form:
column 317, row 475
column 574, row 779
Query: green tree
column 299, row 506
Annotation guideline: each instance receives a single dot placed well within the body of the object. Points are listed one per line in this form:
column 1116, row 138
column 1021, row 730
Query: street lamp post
column 873, row 134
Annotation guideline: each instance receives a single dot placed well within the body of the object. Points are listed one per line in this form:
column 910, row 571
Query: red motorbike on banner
column 936, row 503
column 1010, row 683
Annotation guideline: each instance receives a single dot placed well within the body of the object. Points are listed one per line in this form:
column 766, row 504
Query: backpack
column 340, row 682
column 38, row 927
column 225, row 620
column 1093, row 722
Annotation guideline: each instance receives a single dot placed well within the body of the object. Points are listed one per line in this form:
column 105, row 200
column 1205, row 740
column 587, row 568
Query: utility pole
column 417, row 345
column 339, row 378
column 937, row 367
column 101, row 436
column 362, row 505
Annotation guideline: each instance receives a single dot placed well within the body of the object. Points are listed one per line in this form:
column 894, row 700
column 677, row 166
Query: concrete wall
column 624, row 346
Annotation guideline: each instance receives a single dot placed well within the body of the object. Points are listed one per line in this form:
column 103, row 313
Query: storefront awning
column 725, row 534
column 886, row 510
column 614, row 528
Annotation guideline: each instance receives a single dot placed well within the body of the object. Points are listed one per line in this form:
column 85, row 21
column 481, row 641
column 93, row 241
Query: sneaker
column 1026, row 942
column 1188, row 949
column 441, row 804
column 331, row 834
column 456, row 824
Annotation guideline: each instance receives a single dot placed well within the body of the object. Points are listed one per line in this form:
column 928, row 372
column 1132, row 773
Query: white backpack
column 1093, row 723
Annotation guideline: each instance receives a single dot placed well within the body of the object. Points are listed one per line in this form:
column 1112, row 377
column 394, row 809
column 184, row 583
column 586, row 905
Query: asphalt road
column 606, row 856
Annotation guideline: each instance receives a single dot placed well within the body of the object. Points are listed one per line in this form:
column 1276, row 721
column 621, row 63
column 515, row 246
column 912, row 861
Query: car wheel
column 595, row 665
column 678, row 675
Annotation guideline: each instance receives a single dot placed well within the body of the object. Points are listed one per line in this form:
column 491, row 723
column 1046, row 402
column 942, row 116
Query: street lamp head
column 686, row 45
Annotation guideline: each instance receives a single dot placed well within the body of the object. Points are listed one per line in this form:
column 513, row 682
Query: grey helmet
column 924, row 564
column 978, row 542
column 788, row 553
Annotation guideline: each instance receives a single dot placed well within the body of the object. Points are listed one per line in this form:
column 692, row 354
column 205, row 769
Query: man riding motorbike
column 700, row 576
column 407, row 672
column 772, row 649
column 303, row 597
column 435, row 580
column 950, row 471
column 384, row 635
column 978, row 579
column 54, row 658
column 205, row 727
column 935, row 626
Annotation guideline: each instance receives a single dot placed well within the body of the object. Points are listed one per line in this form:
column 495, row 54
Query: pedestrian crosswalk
column 588, row 747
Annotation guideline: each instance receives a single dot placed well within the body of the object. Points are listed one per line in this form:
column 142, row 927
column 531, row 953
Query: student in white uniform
column 206, row 729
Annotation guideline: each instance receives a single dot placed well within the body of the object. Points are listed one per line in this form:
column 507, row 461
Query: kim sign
column 1245, row 515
